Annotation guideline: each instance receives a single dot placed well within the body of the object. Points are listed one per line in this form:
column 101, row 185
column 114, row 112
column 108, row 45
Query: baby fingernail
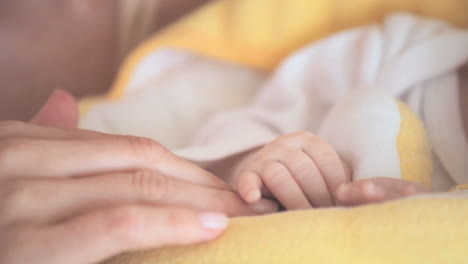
column 215, row 221
column 264, row 206
column 253, row 196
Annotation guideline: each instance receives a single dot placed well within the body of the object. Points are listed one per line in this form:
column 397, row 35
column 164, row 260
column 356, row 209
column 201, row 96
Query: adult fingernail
column 215, row 221
column 264, row 206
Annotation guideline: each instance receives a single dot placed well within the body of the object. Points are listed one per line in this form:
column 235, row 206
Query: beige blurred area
column 76, row 45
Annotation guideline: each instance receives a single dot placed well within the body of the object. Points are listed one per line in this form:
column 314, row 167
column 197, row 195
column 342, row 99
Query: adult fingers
column 60, row 110
column 18, row 130
column 53, row 200
column 60, row 158
column 104, row 233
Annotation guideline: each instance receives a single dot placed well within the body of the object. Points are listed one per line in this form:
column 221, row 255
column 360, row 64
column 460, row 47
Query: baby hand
column 300, row 170
column 377, row 190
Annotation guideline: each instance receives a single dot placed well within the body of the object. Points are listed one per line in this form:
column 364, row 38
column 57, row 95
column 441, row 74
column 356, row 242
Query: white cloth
column 171, row 96
column 411, row 58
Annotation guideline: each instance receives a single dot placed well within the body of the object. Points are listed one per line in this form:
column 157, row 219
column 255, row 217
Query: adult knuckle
column 9, row 148
column 173, row 220
column 151, row 185
column 177, row 219
column 125, row 223
column 148, row 149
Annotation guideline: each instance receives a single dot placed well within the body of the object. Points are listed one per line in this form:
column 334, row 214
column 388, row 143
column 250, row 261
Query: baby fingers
column 278, row 179
column 308, row 177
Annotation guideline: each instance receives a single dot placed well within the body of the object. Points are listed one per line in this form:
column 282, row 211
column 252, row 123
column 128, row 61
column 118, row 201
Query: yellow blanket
column 423, row 230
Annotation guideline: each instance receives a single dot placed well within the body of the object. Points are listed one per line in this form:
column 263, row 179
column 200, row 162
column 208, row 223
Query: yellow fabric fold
column 261, row 33
column 414, row 148
column 417, row 231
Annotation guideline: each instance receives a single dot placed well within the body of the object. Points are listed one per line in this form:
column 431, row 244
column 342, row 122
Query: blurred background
column 76, row 45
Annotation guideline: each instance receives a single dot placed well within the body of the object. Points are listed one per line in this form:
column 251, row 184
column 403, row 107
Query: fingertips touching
column 249, row 186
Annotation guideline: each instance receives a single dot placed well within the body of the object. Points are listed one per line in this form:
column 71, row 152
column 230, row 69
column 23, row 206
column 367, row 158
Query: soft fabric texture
column 378, row 136
column 426, row 230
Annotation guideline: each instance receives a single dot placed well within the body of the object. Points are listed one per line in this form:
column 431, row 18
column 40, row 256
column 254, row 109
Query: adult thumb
column 60, row 110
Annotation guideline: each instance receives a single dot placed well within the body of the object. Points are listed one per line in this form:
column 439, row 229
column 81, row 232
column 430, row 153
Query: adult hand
column 377, row 190
column 74, row 196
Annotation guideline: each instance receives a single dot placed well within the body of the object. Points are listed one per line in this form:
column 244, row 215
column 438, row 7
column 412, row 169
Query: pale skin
column 63, row 189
